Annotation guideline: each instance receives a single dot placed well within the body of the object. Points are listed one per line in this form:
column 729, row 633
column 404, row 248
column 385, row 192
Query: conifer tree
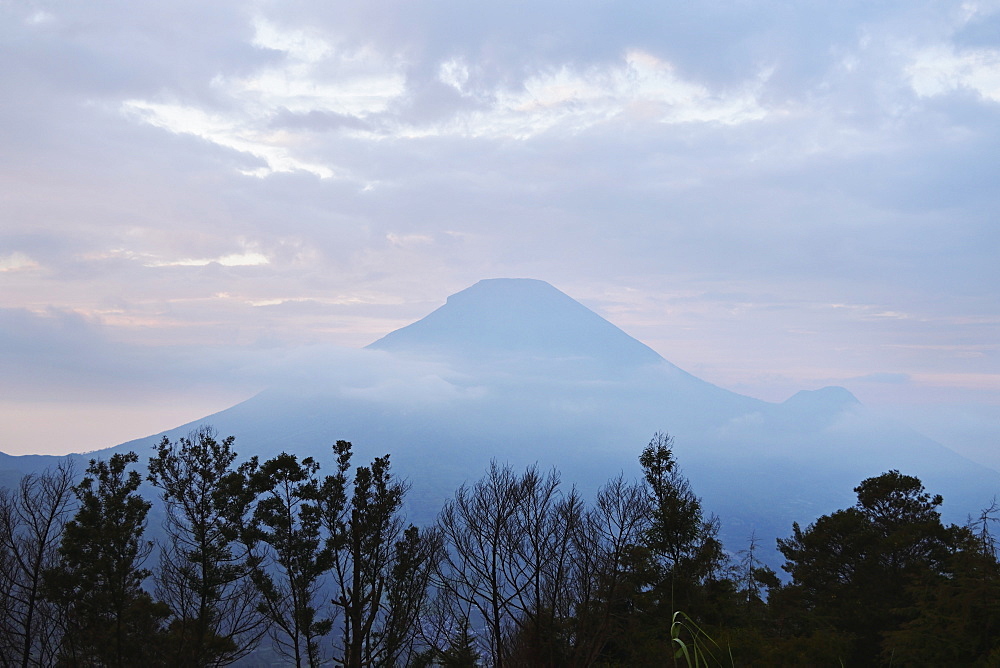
column 287, row 523
column 204, row 571
column 682, row 542
column 853, row 571
column 380, row 570
column 110, row 620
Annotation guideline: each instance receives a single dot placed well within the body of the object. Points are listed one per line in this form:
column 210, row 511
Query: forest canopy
column 312, row 563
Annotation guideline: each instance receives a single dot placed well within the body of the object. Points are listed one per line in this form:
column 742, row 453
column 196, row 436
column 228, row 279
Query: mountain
column 500, row 318
column 515, row 370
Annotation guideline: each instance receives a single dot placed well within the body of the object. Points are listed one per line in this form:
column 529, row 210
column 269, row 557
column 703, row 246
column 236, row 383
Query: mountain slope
column 502, row 317
column 517, row 371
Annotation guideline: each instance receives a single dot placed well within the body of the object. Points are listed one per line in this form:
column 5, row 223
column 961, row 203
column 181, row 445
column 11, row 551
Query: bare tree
column 981, row 528
column 510, row 561
column 480, row 530
column 543, row 559
column 31, row 523
column 603, row 576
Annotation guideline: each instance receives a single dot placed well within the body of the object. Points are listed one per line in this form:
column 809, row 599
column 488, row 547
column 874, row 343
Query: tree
column 479, row 527
column 853, row 571
column 988, row 516
column 668, row 559
column 31, row 524
column 417, row 554
column 604, row 577
column 461, row 651
column 510, row 565
column 552, row 583
column 109, row 619
column 956, row 617
column 545, row 557
column 380, row 570
column 287, row 521
column 204, row 571
column 683, row 544
column 754, row 577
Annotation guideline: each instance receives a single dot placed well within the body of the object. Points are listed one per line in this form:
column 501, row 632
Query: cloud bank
column 772, row 196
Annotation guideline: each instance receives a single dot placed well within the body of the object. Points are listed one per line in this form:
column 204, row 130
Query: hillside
column 515, row 370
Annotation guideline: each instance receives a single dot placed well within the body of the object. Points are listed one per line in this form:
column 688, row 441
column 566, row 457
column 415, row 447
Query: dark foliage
column 517, row 571
column 287, row 524
column 380, row 570
column 204, row 572
column 108, row 618
column 855, row 571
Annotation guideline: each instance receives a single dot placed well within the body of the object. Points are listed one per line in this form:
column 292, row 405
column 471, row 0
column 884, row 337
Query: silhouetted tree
column 204, row 570
column 417, row 554
column 380, row 571
column 31, row 524
column 604, row 576
column 461, row 651
column 287, row 520
column 955, row 614
column 852, row 571
column 479, row 527
column 513, row 566
column 545, row 555
column 754, row 578
column 682, row 542
column 109, row 619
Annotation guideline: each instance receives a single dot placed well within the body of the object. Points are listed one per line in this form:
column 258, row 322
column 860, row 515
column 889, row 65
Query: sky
column 195, row 197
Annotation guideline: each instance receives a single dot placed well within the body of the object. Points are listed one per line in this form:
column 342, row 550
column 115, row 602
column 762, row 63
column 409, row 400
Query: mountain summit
column 505, row 317
column 513, row 370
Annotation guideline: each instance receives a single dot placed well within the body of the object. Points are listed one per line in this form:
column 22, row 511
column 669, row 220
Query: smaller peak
column 832, row 396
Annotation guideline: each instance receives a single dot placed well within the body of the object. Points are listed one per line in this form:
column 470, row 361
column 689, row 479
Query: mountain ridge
column 517, row 371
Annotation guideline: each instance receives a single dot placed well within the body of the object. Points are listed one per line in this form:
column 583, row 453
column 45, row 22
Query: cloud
column 61, row 355
column 408, row 239
column 316, row 80
column 640, row 87
column 942, row 69
column 232, row 260
column 199, row 175
column 311, row 76
column 17, row 261
column 272, row 148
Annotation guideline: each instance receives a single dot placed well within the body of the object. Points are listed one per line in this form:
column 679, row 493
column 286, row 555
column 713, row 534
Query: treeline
column 518, row 570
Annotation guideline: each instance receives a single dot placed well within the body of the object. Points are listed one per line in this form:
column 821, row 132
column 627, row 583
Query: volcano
column 516, row 371
column 500, row 318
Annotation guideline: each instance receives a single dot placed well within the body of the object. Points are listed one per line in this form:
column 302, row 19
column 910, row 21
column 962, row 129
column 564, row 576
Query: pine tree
column 853, row 571
column 110, row 619
column 287, row 522
column 682, row 542
column 380, row 570
column 204, row 571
